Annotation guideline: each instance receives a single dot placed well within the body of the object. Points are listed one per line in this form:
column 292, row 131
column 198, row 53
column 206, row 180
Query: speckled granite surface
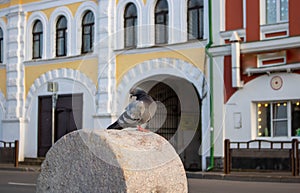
column 112, row 161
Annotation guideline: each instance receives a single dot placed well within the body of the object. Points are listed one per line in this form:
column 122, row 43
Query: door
column 68, row 118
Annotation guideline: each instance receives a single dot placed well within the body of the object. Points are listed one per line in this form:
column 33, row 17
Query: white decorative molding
column 120, row 10
column 267, row 30
column 64, row 11
column 30, row 22
column 260, row 46
column 62, row 73
column 159, row 67
column 273, row 69
column 4, row 30
column 227, row 34
column 85, row 6
column 272, row 59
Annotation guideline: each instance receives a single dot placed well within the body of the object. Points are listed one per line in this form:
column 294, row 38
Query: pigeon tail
column 115, row 125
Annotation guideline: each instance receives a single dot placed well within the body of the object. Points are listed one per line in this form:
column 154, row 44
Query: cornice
column 258, row 46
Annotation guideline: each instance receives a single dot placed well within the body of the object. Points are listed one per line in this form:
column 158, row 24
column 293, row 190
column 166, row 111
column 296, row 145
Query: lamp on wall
column 53, row 88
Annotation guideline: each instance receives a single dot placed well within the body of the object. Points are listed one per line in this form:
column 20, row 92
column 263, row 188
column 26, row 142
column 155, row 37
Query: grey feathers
column 138, row 112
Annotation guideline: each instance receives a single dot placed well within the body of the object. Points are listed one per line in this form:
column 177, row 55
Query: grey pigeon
column 138, row 113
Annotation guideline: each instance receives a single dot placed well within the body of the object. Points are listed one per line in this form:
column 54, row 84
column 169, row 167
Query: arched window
column 61, row 36
column 88, row 23
column 37, row 40
column 195, row 19
column 1, row 46
column 161, row 22
column 130, row 25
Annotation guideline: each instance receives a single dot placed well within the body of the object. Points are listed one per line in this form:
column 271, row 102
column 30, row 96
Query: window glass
column 61, row 36
column 130, row 25
column 280, row 119
column 161, row 22
column 88, row 32
column 284, row 10
column 195, row 19
column 1, row 46
column 276, row 11
column 37, row 40
column 263, row 120
column 296, row 118
column 277, row 119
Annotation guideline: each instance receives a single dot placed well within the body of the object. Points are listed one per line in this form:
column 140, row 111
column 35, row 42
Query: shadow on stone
column 112, row 161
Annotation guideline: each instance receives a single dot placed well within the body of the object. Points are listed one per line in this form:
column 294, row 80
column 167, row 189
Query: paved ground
column 23, row 179
column 228, row 186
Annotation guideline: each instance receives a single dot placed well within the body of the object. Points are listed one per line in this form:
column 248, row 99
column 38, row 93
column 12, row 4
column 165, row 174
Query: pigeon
column 138, row 113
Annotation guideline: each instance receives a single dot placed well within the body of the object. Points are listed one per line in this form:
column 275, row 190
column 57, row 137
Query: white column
column 106, row 64
column 13, row 124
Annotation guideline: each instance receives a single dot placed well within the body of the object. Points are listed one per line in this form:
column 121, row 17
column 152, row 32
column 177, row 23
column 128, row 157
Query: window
column 161, row 22
column 130, row 23
column 276, row 11
column 195, row 19
column 1, row 46
column 37, row 40
column 61, row 36
column 88, row 24
column 278, row 119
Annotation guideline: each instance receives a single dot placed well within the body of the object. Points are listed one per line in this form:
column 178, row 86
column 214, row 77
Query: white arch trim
column 65, row 11
column 64, row 73
column 150, row 11
column 4, row 29
column 33, row 17
column 86, row 6
column 161, row 66
column 120, row 21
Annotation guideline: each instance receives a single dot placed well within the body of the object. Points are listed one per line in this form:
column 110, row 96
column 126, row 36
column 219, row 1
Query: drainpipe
column 211, row 107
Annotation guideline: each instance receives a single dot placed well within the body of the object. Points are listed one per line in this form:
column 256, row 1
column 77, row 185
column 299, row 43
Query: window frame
column 200, row 26
column 272, row 119
column 134, row 19
column 38, row 34
column 91, row 27
column 164, row 24
column 1, row 46
column 278, row 13
column 64, row 31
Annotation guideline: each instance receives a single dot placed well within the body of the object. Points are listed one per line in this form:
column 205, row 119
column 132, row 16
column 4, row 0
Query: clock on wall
column 276, row 82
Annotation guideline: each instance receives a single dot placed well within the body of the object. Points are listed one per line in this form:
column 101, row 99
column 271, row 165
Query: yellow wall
column 125, row 62
column 87, row 67
column 3, row 81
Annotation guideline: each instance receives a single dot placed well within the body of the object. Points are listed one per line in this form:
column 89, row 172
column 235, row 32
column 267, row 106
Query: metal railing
column 262, row 149
column 9, row 152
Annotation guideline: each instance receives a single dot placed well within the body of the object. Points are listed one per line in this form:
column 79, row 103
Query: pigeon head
column 137, row 92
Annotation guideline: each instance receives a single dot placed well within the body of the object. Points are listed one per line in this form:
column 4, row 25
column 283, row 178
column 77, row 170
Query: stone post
column 112, row 161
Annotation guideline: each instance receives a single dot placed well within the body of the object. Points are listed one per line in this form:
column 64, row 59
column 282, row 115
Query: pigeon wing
column 132, row 115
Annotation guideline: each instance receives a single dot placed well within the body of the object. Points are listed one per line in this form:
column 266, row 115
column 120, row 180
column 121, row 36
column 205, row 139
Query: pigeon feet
column 139, row 128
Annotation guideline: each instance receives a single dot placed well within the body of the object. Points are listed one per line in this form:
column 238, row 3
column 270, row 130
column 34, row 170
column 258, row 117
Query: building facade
column 256, row 59
column 224, row 69
column 96, row 51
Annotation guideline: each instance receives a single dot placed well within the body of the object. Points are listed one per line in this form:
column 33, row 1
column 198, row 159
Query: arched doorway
column 182, row 124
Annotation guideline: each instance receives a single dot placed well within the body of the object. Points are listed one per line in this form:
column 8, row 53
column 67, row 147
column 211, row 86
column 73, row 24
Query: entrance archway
column 182, row 124
column 190, row 85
